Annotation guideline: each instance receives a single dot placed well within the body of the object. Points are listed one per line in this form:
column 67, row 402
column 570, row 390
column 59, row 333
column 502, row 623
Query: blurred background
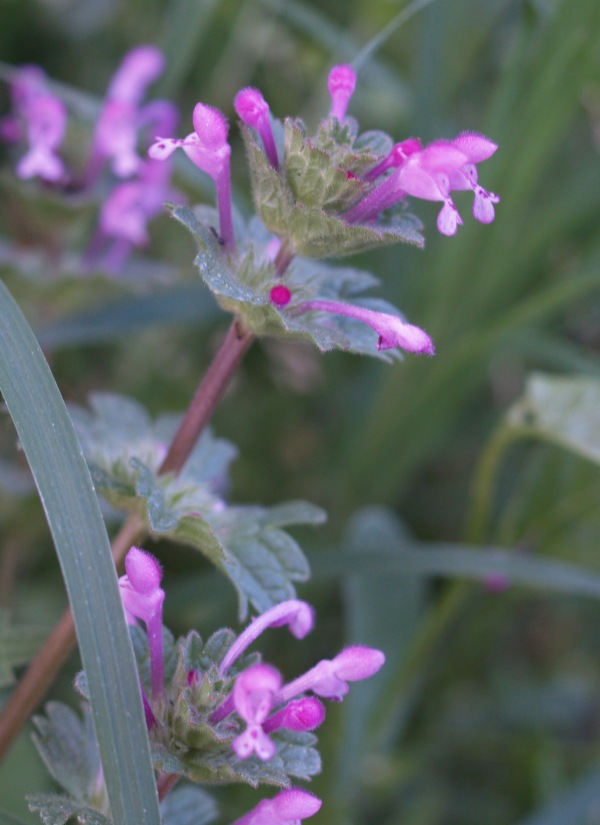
column 489, row 709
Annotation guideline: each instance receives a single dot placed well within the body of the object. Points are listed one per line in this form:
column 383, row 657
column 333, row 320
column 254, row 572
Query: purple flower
column 40, row 118
column 296, row 614
column 329, row 678
column 432, row 173
column 287, row 808
column 392, row 330
column 116, row 133
column 126, row 212
column 253, row 109
column 341, row 84
column 143, row 598
column 253, row 694
column 208, row 148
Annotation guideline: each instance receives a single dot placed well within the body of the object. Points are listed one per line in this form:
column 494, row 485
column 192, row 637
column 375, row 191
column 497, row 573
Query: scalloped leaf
column 188, row 805
column 295, row 758
column 246, row 543
column 247, row 293
column 58, row 810
column 262, row 559
column 67, row 744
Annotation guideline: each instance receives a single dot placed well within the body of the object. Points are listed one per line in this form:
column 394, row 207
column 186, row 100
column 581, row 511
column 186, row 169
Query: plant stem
column 208, row 395
column 54, row 653
column 56, row 649
column 165, row 783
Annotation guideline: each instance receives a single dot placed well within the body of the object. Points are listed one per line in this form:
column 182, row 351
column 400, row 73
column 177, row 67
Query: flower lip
column 211, row 126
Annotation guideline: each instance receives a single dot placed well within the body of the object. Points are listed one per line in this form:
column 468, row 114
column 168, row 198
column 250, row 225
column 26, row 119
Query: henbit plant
column 213, row 714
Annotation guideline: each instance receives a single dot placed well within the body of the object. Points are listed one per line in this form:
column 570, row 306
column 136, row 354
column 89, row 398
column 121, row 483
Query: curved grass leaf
column 461, row 561
column 48, row 439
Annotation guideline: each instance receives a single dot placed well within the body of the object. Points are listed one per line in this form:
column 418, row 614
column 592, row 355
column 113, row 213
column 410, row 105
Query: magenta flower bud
column 143, row 571
column 392, row 331
column 300, row 714
column 287, row 808
column 280, row 295
column 253, row 695
column 298, row 615
column 496, row 583
column 253, row 109
column 329, row 678
column 143, row 598
column 341, row 84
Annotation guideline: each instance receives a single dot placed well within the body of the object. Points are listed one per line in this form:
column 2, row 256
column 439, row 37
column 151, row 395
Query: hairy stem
column 208, row 395
column 56, row 649
column 165, row 783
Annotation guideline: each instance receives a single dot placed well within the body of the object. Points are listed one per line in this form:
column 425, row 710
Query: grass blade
column 64, row 484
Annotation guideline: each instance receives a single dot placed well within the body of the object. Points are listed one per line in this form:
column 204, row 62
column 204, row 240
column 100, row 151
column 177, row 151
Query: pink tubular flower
column 329, row 678
column 298, row 615
column 287, row 808
column 41, row 118
column 46, row 126
column 392, row 331
column 116, row 133
column 143, row 598
column 253, row 695
column 209, row 150
column 253, row 109
column 341, row 84
column 432, row 173
column 126, row 212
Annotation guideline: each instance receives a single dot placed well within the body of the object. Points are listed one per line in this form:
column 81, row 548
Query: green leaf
column 125, row 450
column 563, row 410
column 58, row 810
column 246, row 293
column 68, row 747
column 263, row 560
column 48, row 439
column 188, row 805
column 17, row 646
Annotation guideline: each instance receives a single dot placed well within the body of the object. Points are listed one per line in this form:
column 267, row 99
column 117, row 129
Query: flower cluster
column 333, row 193
column 227, row 707
column 39, row 118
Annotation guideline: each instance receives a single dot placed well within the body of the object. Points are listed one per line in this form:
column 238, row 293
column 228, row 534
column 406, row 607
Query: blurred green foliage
column 496, row 713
